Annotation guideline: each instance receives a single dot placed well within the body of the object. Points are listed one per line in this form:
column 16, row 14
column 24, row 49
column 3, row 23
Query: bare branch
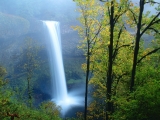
column 143, row 24
column 134, row 16
column 109, row 12
column 117, row 16
column 116, row 48
column 156, row 31
column 12, row 115
column 118, row 79
column 151, row 23
column 151, row 52
column 98, row 31
column 123, row 46
column 102, row 0
column 152, row 2
column 157, row 21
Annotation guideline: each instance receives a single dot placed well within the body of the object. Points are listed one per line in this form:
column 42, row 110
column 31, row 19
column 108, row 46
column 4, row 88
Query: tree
column 143, row 25
column 106, row 23
column 31, row 63
column 11, row 108
column 112, row 55
column 115, row 16
column 91, row 27
column 141, row 104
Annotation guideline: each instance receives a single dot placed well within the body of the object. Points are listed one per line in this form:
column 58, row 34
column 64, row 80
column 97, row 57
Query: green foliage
column 23, row 112
column 47, row 111
column 4, row 95
column 118, row 59
column 31, row 63
column 142, row 104
column 51, row 109
column 2, row 72
column 10, row 107
column 73, row 71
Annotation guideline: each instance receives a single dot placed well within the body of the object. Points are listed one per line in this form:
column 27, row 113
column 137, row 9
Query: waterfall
column 59, row 88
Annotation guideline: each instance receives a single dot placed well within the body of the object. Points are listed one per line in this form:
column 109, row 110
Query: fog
column 20, row 19
column 33, row 10
column 46, row 9
column 40, row 9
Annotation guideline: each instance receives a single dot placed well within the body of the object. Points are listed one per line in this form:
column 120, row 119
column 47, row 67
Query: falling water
column 59, row 91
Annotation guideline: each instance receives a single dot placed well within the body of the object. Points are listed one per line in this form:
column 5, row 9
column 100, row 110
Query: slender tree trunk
column 86, row 87
column 110, row 63
column 29, row 93
column 87, row 69
column 29, row 86
column 136, row 49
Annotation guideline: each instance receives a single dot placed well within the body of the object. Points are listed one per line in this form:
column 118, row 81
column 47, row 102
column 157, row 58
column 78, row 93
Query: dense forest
column 119, row 65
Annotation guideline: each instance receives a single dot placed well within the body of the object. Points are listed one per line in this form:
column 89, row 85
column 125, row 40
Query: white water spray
column 59, row 91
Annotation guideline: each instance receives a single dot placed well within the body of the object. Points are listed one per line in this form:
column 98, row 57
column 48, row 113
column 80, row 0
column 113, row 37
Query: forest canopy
column 120, row 41
column 120, row 61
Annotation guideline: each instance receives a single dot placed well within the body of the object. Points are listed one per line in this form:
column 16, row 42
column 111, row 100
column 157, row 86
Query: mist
column 22, row 32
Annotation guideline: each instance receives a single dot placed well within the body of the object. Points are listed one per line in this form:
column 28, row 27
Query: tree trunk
column 136, row 49
column 110, row 63
column 86, row 87
column 87, row 69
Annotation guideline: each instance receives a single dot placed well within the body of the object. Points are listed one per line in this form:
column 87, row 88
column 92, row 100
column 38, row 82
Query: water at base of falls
column 59, row 92
column 68, row 103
